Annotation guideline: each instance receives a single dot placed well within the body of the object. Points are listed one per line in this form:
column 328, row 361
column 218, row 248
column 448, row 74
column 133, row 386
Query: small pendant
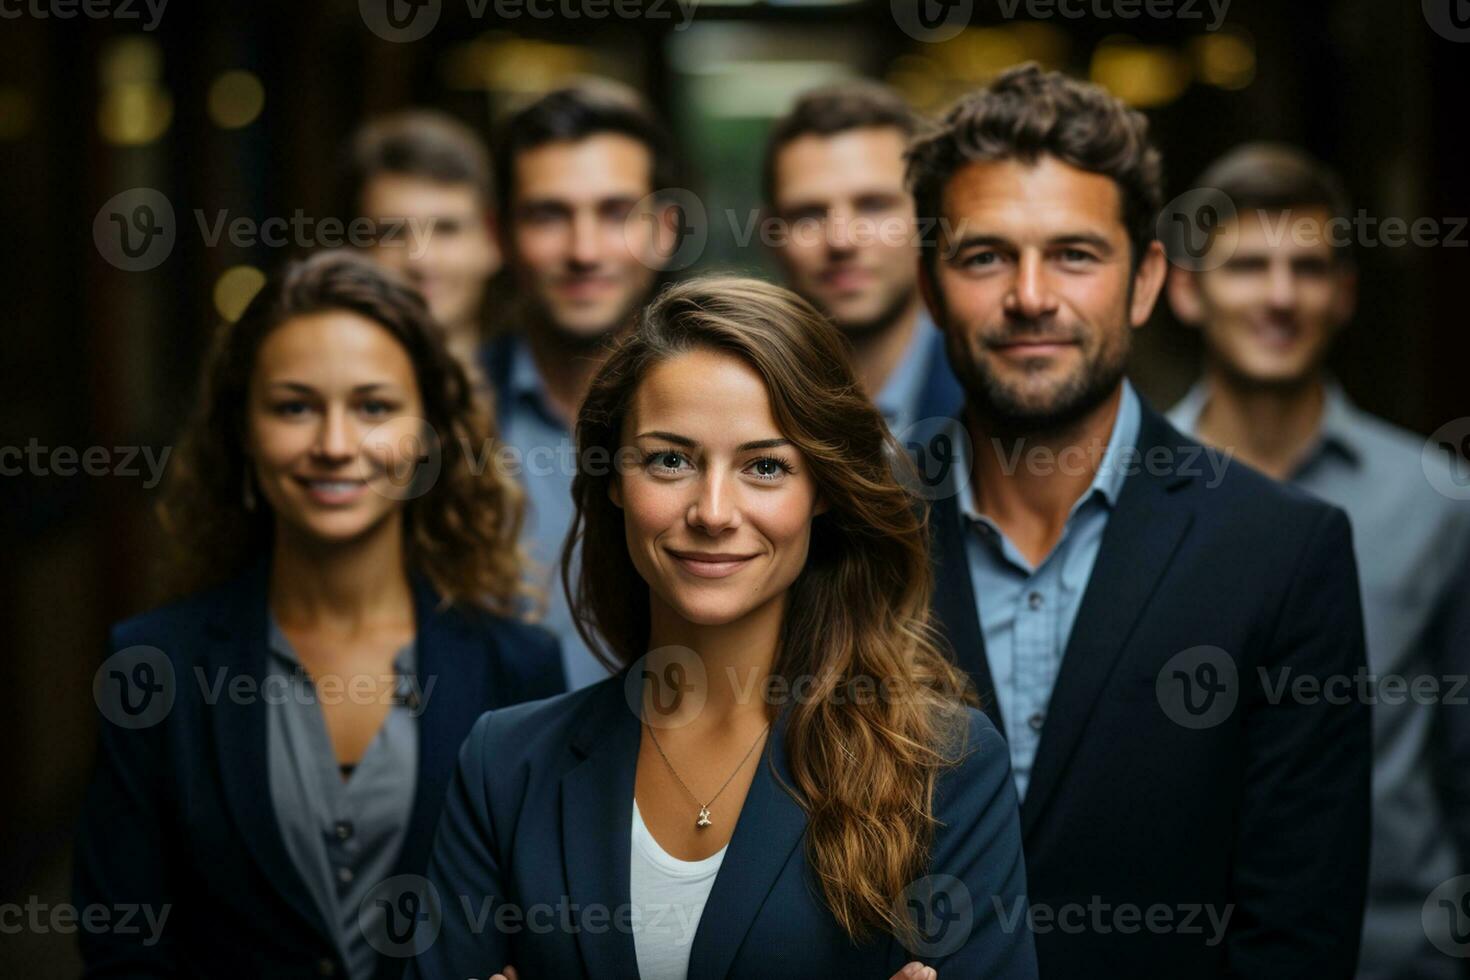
column 703, row 820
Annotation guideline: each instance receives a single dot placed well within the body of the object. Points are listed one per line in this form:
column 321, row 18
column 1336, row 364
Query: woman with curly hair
column 275, row 744
column 785, row 778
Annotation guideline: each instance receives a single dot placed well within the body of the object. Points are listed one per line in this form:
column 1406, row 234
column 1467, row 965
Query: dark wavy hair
column 1026, row 114
column 857, row 613
column 461, row 530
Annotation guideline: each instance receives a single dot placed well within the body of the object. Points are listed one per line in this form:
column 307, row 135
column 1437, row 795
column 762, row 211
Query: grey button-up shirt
column 1412, row 544
column 547, row 455
column 344, row 835
column 1026, row 613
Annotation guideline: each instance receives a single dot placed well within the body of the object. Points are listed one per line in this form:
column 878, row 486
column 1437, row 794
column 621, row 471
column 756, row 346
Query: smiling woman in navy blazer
column 785, row 780
column 275, row 747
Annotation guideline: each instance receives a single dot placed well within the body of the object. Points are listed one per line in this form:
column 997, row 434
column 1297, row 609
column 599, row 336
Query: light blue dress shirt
column 899, row 399
column 1412, row 545
column 1026, row 613
column 548, row 461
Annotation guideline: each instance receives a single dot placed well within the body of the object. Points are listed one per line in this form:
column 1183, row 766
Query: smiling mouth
column 333, row 492
column 710, row 564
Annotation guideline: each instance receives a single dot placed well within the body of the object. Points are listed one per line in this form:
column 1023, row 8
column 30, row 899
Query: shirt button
column 344, row 875
column 343, row 830
column 1034, row 600
column 326, row 967
column 1036, row 721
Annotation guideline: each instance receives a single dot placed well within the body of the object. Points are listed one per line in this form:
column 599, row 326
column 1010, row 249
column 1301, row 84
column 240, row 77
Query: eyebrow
column 308, row 389
column 687, row 442
column 1076, row 238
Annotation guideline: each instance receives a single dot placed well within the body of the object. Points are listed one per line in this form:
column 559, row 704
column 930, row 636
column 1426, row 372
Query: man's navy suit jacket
column 1176, row 778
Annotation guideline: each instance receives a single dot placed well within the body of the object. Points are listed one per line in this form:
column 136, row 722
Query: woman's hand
column 911, row 971
column 509, row 973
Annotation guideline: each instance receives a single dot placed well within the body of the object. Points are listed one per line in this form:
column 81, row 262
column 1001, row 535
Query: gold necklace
column 703, row 820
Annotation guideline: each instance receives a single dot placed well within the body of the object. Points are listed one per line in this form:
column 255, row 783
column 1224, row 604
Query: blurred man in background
column 834, row 176
column 1268, row 298
column 585, row 240
column 422, row 180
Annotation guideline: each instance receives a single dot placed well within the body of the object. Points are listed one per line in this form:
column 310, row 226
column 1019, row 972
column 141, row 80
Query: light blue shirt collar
column 1338, row 431
column 1112, row 470
column 900, row 393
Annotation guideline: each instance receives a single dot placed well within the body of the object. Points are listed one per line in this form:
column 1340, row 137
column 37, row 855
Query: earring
column 247, row 492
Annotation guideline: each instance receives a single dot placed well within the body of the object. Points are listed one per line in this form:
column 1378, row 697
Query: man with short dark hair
column 1137, row 615
column 585, row 234
column 834, row 176
column 1269, row 296
column 422, row 180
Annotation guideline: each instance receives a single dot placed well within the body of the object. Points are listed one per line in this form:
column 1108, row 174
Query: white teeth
column 333, row 486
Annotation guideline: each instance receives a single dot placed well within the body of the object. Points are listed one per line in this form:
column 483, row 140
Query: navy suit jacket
column 1255, row 806
column 179, row 813
column 531, row 862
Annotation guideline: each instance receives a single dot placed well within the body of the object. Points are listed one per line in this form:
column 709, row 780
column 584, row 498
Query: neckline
column 651, row 849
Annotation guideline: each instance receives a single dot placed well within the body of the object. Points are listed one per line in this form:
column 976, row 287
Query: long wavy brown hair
column 857, row 614
column 460, row 529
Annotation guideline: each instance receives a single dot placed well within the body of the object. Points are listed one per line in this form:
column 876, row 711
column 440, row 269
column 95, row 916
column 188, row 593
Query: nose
column 334, row 443
column 585, row 246
column 714, row 509
column 840, row 239
column 1030, row 296
column 1281, row 286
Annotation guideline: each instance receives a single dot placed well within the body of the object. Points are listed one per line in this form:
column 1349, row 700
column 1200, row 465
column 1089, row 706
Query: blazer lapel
column 240, row 729
column 450, row 683
column 954, row 602
column 1142, row 535
column 770, row 826
column 597, row 827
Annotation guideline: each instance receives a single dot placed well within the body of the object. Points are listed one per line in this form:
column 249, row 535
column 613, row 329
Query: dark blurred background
column 242, row 108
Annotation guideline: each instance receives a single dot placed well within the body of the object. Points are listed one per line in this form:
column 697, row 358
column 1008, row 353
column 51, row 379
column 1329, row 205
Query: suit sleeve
column 122, row 848
column 464, row 874
column 1299, row 879
column 978, row 874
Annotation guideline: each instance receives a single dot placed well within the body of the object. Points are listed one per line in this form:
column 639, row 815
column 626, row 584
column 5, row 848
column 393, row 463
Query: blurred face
column 438, row 236
column 584, row 247
column 1032, row 286
column 333, row 425
column 849, row 246
column 1269, row 313
column 719, row 509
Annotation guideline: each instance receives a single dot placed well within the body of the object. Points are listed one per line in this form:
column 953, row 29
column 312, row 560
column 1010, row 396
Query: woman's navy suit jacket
column 179, row 815
column 531, row 863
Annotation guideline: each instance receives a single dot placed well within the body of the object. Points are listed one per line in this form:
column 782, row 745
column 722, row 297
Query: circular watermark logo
column 1446, row 917
column 135, row 230
column 1445, row 459
column 667, row 687
column 932, row 21
column 938, row 450
column 1450, row 19
column 135, row 687
column 1198, row 687
column 400, row 21
column 401, row 916
column 409, row 455
column 670, row 228
column 942, row 913
column 1189, row 225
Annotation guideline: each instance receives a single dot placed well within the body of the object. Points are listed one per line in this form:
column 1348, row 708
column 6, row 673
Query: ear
column 1148, row 282
column 615, row 492
column 1184, row 297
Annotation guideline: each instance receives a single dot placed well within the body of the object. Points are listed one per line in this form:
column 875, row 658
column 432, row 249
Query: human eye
column 290, row 408
column 665, row 462
column 377, row 407
column 769, row 468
